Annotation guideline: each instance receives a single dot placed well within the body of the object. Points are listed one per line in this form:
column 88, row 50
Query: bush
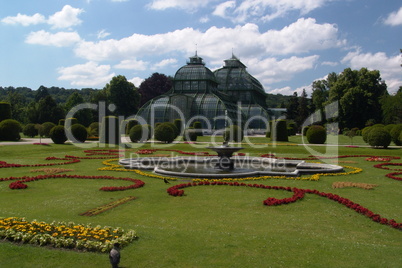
column 79, row 132
column 190, row 134
column 30, row 130
column 389, row 127
column 395, row 133
column 10, row 130
column 58, row 134
column 316, row 134
column 93, row 129
column 45, row 129
column 62, row 122
column 5, row 111
column 178, row 123
column 197, row 125
column 129, row 125
column 292, row 129
column 379, row 138
column 365, row 133
column 279, row 131
column 70, row 121
column 233, row 134
column 140, row 133
column 165, row 132
column 110, row 131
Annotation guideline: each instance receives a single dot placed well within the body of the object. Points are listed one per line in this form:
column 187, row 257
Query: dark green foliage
column 5, row 111
column 154, row 86
column 400, row 138
column 45, row 130
column 179, row 125
column 58, row 135
column 316, row 134
column 389, row 127
column 395, row 133
column 130, row 124
column 93, row 129
column 365, row 132
column 165, row 132
column 62, row 122
column 79, row 132
column 70, row 121
column 190, row 134
column 304, row 130
column 140, row 133
column 110, row 130
column 30, row 130
column 233, row 134
column 292, row 129
column 379, row 138
column 269, row 130
column 279, row 131
column 10, row 130
column 197, row 125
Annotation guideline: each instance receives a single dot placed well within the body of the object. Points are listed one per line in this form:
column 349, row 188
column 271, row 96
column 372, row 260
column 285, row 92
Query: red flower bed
column 383, row 166
column 17, row 185
column 392, row 176
column 298, row 194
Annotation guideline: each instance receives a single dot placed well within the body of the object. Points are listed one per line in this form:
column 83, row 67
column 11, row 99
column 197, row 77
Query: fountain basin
column 243, row 166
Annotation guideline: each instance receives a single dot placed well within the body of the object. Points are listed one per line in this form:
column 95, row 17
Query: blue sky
column 286, row 44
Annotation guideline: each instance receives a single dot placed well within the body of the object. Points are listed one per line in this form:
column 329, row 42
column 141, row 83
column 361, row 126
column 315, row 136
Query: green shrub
column 233, row 134
column 129, row 125
column 395, row 133
column 165, row 132
column 190, row 134
column 93, row 129
column 10, row 130
column 292, row 129
column 140, row 133
column 45, row 129
column 389, row 127
column 62, row 122
column 30, row 130
column 79, row 132
column 110, row 130
column 379, row 138
column 316, row 134
column 179, row 125
column 5, row 111
column 197, row 125
column 279, row 131
column 58, row 134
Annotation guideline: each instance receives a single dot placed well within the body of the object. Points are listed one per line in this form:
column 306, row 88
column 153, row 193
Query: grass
column 210, row 226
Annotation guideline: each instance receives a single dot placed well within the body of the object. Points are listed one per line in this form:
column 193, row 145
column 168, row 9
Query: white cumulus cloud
column 60, row 39
column 25, row 20
column 189, row 5
column 65, row 18
column 90, row 74
column 395, row 18
column 132, row 64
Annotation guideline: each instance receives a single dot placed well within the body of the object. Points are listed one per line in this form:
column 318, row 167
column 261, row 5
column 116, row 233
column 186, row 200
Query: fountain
column 225, row 165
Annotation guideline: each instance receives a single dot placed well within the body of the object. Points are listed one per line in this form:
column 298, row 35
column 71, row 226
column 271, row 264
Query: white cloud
column 302, row 36
column 189, row 5
column 330, row 63
column 65, row 18
column 164, row 63
column 132, row 64
column 395, row 18
column 136, row 81
column 60, row 39
column 222, row 8
column 102, row 34
column 265, row 10
column 24, row 20
column 272, row 70
column 89, row 74
column 389, row 67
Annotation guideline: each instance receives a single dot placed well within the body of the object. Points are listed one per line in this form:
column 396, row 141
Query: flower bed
column 298, row 194
column 64, row 235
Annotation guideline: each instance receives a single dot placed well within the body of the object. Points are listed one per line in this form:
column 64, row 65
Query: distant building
column 229, row 95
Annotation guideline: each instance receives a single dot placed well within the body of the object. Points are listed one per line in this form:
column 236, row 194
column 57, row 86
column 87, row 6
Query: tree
column 292, row 106
column 156, row 85
column 303, row 110
column 358, row 93
column 84, row 116
column 123, row 94
column 392, row 108
column 49, row 111
column 41, row 93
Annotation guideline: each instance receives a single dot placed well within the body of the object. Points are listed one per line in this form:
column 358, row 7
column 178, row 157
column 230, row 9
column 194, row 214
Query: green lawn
column 211, row 226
